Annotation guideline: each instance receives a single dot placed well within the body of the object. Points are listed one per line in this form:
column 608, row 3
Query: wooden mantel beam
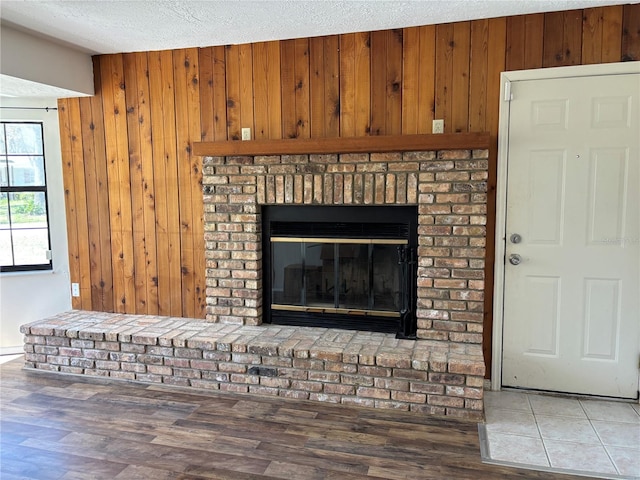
column 371, row 144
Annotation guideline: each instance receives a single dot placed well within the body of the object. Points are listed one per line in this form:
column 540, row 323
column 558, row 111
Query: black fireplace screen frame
column 380, row 224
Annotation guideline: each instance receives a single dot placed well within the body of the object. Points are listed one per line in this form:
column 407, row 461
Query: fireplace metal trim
column 360, row 241
column 344, row 311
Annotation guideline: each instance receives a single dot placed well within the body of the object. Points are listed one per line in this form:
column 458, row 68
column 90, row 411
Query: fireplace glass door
column 348, row 267
column 337, row 275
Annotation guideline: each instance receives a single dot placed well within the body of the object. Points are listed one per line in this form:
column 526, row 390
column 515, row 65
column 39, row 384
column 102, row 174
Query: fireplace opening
column 351, row 267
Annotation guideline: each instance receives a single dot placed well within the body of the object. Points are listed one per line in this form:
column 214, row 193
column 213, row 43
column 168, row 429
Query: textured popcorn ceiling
column 110, row 26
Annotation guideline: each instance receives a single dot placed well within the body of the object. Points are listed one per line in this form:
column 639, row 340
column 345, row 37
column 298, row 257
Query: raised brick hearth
column 440, row 373
column 338, row 366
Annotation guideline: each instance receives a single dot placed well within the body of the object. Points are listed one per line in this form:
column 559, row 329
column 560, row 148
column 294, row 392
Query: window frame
column 10, row 189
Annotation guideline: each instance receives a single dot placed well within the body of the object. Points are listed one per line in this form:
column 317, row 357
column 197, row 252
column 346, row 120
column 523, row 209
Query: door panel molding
column 506, row 79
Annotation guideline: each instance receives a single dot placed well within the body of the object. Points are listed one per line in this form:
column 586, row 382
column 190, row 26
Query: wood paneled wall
column 133, row 187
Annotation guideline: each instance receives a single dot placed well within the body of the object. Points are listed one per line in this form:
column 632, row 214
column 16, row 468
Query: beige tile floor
column 592, row 437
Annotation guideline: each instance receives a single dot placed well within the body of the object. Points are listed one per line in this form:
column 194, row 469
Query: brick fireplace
column 440, row 372
column 448, row 187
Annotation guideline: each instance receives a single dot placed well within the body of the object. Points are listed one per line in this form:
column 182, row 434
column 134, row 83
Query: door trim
column 506, row 78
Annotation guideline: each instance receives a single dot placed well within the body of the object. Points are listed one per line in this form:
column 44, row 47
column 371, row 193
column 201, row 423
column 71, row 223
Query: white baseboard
column 11, row 350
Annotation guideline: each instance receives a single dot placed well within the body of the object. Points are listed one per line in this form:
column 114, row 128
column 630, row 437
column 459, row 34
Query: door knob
column 515, row 259
column 515, row 238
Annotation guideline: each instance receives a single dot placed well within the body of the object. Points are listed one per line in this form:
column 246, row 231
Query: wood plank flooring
column 69, row 428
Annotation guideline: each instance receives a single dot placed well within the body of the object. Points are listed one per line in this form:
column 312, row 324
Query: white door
column 571, row 306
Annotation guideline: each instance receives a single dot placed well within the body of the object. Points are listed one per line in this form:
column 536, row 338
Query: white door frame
column 506, row 78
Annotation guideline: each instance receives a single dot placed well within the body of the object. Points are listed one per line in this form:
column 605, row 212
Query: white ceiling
column 112, row 26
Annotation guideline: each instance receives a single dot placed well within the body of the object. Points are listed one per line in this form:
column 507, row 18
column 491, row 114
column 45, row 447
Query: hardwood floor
column 70, row 428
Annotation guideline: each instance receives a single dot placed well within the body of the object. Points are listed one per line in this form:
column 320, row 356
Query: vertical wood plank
column 426, row 85
column 186, row 91
column 70, row 196
column 460, row 85
column 534, row 40
column 331, row 69
column 93, row 191
column 287, row 69
column 316, row 86
column 324, row 86
column 163, row 129
column 347, row 85
column 135, row 164
column 260, row 91
column 553, row 50
column 301, row 72
column 478, row 75
column 444, row 74
column 612, row 34
column 393, row 114
column 267, row 95
column 410, row 80
column 355, row 84
column 103, row 286
column 362, row 69
column 378, row 82
column 90, row 188
column 219, row 94
column 148, row 191
column 274, row 90
column 245, row 57
column 631, row 33
column 572, row 40
column 117, row 147
column 205, row 60
column 79, row 185
column 515, row 43
column 234, row 111
column 592, row 24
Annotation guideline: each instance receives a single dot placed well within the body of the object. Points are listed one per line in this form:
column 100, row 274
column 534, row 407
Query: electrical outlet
column 75, row 289
column 246, row 134
column 437, row 126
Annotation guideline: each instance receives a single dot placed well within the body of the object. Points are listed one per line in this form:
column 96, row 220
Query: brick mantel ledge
column 359, row 368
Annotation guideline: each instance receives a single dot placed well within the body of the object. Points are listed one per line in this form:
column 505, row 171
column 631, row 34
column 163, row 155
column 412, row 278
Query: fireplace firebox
column 350, row 267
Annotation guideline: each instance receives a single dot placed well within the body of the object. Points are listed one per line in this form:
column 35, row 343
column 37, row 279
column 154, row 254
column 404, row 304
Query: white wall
column 41, row 63
column 29, row 296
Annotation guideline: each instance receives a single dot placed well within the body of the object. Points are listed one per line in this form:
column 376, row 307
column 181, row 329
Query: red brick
column 468, row 367
column 430, row 388
column 359, row 401
column 294, row 394
column 464, row 414
column 249, row 379
column 391, row 384
column 444, row 401
column 410, row 374
column 409, row 397
column 393, row 360
column 356, row 379
column 323, row 397
column 259, row 390
column 427, row 409
column 339, row 389
column 233, row 387
column 275, row 382
column 374, row 371
column 392, row 405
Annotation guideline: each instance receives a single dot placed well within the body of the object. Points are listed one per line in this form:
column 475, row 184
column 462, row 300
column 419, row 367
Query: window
column 24, row 219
